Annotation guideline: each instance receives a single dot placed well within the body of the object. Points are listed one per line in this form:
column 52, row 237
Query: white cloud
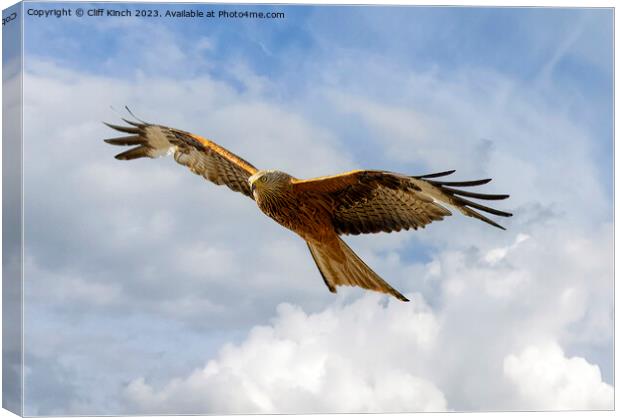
column 497, row 254
column 325, row 362
column 454, row 353
column 546, row 379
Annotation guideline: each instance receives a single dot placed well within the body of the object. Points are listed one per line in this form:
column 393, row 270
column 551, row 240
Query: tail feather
column 340, row 266
column 318, row 260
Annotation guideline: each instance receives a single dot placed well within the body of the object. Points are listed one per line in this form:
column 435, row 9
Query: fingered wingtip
column 140, row 151
column 134, row 116
column 125, row 129
column 434, row 175
column 126, row 140
column 136, row 124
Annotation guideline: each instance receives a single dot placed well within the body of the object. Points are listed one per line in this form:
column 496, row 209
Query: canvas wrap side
column 12, row 213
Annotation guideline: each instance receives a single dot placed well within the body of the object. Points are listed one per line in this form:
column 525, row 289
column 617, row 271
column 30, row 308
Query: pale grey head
column 265, row 181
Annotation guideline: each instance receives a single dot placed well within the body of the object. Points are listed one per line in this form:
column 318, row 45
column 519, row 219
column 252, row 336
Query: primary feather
column 200, row 155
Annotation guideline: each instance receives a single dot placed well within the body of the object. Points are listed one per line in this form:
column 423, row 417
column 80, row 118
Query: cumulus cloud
column 546, row 379
column 305, row 363
column 456, row 355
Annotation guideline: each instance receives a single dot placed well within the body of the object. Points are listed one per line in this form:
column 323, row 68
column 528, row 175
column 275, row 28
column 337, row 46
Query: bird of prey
column 321, row 209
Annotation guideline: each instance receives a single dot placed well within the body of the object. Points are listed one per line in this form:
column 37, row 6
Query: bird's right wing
column 200, row 155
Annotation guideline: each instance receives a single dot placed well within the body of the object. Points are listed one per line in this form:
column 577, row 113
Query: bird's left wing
column 366, row 201
column 200, row 155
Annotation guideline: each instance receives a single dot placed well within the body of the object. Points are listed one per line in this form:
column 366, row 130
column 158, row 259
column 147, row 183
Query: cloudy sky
column 149, row 290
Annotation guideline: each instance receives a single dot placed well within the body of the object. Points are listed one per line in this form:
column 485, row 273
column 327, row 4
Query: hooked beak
column 252, row 187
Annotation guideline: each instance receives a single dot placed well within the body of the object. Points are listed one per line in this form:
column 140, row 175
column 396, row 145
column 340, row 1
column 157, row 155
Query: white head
column 265, row 181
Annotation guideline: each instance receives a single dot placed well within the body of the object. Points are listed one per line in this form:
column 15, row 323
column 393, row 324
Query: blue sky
column 182, row 281
column 518, row 42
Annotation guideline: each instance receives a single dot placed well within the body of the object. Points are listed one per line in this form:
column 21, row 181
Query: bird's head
column 265, row 181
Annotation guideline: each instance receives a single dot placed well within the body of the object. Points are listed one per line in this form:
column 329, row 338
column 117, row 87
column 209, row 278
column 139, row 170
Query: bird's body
column 302, row 213
column 320, row 209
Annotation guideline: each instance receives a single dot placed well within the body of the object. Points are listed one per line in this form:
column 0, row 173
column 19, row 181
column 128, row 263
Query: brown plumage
column 319, row 209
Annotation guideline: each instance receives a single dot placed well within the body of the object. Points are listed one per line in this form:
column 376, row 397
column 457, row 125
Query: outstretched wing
column 200, row 155
column 378, row 201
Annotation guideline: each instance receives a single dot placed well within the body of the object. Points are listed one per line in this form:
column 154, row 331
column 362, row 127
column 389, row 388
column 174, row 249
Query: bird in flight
column 321, row 209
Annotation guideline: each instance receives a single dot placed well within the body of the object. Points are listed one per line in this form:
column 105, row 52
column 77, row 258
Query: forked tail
column 340, row 266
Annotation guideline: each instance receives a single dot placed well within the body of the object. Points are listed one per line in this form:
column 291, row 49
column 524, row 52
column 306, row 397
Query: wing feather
column 450, row 196
column 378, row 201
column 200, row 155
